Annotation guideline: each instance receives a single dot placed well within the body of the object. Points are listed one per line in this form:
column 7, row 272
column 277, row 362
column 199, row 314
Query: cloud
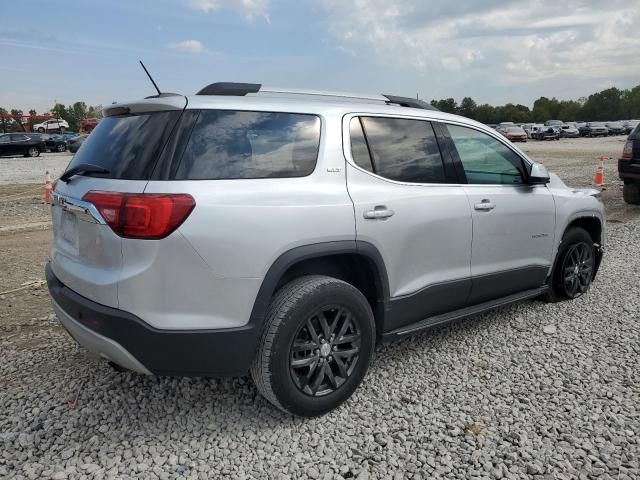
column 190, row 46
column 501, row 42
column 251, row 9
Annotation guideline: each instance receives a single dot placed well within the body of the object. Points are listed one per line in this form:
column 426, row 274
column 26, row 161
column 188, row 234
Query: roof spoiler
column 230, row 89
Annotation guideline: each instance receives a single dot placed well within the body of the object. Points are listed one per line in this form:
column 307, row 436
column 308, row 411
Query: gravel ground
column 548, row 391
column 32, row 169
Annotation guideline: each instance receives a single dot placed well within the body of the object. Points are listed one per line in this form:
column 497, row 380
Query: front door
column 513, row 223
column 408, row 206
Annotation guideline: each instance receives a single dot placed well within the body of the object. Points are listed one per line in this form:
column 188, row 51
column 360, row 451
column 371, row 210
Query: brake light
column 147, row 216
column 627, row 151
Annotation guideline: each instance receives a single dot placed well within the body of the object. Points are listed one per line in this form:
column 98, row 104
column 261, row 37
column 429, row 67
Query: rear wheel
column 40, row 130
column 61, row 147
column 33, row 151
column 318, row 341
column 574, row 267
column 631, row 193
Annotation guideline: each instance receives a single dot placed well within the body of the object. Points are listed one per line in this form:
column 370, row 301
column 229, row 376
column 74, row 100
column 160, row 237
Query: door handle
column 378, row 213
column 485, row 205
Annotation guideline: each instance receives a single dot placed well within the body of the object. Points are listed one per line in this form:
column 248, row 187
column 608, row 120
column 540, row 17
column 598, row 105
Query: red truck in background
column 88, row 124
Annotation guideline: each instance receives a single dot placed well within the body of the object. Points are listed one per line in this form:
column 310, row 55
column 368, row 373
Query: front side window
column 4, row 138
column 228, row 144
column 403, row 150
column 484, row 159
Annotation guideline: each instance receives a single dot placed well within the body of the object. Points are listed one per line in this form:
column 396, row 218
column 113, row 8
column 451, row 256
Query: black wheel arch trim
column 318, row 250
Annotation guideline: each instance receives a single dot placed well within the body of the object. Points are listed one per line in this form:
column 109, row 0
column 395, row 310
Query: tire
column 61, row 148
column 294, row 317
column 631, row 193
column 576, row 248
column 33, row 152
column 40, row 130
column 88, row 130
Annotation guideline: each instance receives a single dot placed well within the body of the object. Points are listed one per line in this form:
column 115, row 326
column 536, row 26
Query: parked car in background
column 88, row 124
column 534, row 131
column 75, row 143
column 502, row 128
column 596, row 129
column 21, row 144
column 629, row 168
column 615, row 128
column 549, row 132
column 582, row 128
column 569, row 131
column 551, row 123
column 630, row 125
column 516, row 134
column 54, row 143
column 69, row 135
column 51, row 126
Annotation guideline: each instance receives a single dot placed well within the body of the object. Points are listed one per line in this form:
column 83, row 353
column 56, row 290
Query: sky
column 496, row 51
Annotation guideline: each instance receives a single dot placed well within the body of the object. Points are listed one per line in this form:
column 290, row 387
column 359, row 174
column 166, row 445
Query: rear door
column 86, row 255
column 5, row 145
column 407, row 204
column 513, row 223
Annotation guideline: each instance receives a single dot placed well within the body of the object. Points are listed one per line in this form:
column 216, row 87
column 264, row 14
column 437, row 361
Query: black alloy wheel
column 577, row 269
column 325, row 351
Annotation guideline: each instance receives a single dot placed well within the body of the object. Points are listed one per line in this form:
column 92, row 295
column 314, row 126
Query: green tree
column 448, row 105
column 604, row 105
column 468, row 107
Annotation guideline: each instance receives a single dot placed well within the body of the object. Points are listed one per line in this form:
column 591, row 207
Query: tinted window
column 404, row 150
column 127, row 145
column 4, row 138
column 485, row 160
column 359, row 149
column 231, row 144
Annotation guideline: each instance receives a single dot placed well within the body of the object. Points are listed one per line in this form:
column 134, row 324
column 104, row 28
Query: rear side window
column 404, row 150
column 227, row 144
column 127, row 145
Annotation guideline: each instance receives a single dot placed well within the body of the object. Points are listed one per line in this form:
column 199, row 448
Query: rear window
column 127, row 145
column 226, row 144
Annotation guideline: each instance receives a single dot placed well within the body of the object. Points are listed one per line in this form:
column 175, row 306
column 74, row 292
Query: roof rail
column 242, row 89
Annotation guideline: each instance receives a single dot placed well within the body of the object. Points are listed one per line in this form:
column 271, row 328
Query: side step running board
column 463, row 313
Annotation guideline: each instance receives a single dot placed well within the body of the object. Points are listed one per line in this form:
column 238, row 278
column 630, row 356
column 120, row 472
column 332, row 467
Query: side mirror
column 538, row 175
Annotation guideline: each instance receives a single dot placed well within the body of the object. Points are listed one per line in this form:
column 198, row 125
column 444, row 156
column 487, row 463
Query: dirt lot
column 33, row 347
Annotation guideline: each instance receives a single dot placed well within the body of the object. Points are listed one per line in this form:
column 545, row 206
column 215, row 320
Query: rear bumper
column 131, row 343
column 628, row 169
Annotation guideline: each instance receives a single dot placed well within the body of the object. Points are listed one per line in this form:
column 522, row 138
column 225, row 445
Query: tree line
column 609, row 104
column 72, row 114
column 606, row 105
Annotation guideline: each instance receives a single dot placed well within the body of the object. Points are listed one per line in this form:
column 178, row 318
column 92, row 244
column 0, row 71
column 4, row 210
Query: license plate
column 69, row 228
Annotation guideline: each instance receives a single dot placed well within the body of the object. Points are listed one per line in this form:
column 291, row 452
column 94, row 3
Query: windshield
column 127, row 146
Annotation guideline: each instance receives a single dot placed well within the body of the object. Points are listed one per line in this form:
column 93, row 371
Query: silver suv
column 284, row 234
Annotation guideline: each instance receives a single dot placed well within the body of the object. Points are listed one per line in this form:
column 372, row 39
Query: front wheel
column 318, row 341
column 40, row 130
column 61, row 147
column 33, row 152
column 574, row 268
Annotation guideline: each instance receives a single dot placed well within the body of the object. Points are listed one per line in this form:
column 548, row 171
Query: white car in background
column 51, row 126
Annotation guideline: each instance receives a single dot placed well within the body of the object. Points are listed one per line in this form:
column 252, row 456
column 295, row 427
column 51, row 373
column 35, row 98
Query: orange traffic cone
column 48, row 188
column 598, row 178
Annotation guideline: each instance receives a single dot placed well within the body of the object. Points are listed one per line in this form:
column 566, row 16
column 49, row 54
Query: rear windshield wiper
column 82, row 168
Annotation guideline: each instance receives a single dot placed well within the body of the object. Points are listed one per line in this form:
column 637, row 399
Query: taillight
column 147, row 216
column 627, row 151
